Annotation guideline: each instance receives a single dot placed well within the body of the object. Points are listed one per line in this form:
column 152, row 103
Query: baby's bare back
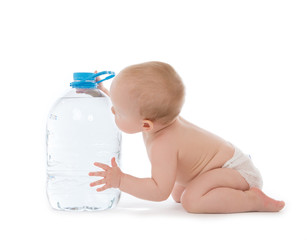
column 198, row 150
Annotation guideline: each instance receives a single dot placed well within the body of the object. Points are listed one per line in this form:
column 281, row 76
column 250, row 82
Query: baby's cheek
column 112, row 110
column 118, row 122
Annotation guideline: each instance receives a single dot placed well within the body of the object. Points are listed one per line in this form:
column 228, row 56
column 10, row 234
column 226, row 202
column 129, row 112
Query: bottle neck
column 84, row 84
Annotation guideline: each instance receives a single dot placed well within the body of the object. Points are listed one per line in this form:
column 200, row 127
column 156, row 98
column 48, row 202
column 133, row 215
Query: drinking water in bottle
column 80, row 131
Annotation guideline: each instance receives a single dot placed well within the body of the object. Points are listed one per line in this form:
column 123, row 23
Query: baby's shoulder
column 162, row 148
column 163, row 142
column 163, row 139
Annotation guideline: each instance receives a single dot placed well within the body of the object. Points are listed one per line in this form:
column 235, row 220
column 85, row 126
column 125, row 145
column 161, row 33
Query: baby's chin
column 129, row 131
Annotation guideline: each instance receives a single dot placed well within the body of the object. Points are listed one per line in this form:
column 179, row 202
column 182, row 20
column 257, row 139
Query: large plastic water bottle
column 80, row 131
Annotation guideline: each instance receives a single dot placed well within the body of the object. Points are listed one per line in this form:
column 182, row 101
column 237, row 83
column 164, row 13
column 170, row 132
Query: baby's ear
column 147, row 125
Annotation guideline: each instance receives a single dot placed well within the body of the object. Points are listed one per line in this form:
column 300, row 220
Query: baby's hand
column 101, row 87
column 111, row 176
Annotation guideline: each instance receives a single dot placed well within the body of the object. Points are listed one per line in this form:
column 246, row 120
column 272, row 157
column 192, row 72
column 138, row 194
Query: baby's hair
column 158, row 89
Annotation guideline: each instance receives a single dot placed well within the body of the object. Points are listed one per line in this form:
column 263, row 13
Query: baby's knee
column 189, row 202
column 194, row 203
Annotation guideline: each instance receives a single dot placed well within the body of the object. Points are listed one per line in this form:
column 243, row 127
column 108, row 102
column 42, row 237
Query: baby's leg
column 177, row 192
column 224, row 190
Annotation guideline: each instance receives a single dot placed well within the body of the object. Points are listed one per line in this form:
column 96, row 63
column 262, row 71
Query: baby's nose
column 112, row 109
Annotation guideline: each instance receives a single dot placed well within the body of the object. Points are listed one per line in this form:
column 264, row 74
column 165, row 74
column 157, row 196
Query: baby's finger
column 100, row 174
column 97, row 78
column 113, row 162
column 102, row 165
column 99, row 182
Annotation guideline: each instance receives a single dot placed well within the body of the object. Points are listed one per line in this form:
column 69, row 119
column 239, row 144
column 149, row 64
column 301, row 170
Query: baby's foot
column 267, row 204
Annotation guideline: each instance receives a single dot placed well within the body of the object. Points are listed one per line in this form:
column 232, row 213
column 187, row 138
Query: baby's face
column 126, row 114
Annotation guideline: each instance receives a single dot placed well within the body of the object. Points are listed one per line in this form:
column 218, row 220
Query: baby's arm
column 163, row 175
column 101, row 87
column 156, row 188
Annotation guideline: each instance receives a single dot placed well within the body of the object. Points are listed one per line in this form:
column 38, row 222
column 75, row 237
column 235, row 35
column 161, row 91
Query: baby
column 202, row 171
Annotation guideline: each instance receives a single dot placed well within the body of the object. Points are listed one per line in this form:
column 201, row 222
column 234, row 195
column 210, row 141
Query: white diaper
column 243, row 164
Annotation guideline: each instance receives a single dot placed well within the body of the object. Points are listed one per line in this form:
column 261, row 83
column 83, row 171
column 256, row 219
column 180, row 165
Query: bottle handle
column 111, row 75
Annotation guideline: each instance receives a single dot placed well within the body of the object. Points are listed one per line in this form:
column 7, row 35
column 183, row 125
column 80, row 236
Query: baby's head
column 146, row 95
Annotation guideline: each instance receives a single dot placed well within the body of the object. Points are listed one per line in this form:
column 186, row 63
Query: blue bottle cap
column 88, row 79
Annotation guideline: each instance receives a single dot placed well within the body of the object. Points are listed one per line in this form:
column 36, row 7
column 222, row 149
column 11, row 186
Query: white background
column 244, row 67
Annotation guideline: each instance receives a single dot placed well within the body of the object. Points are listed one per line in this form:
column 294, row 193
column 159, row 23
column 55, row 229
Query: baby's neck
column 160, row 129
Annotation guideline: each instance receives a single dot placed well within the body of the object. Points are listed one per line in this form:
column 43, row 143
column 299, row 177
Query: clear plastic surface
column 80, row 131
